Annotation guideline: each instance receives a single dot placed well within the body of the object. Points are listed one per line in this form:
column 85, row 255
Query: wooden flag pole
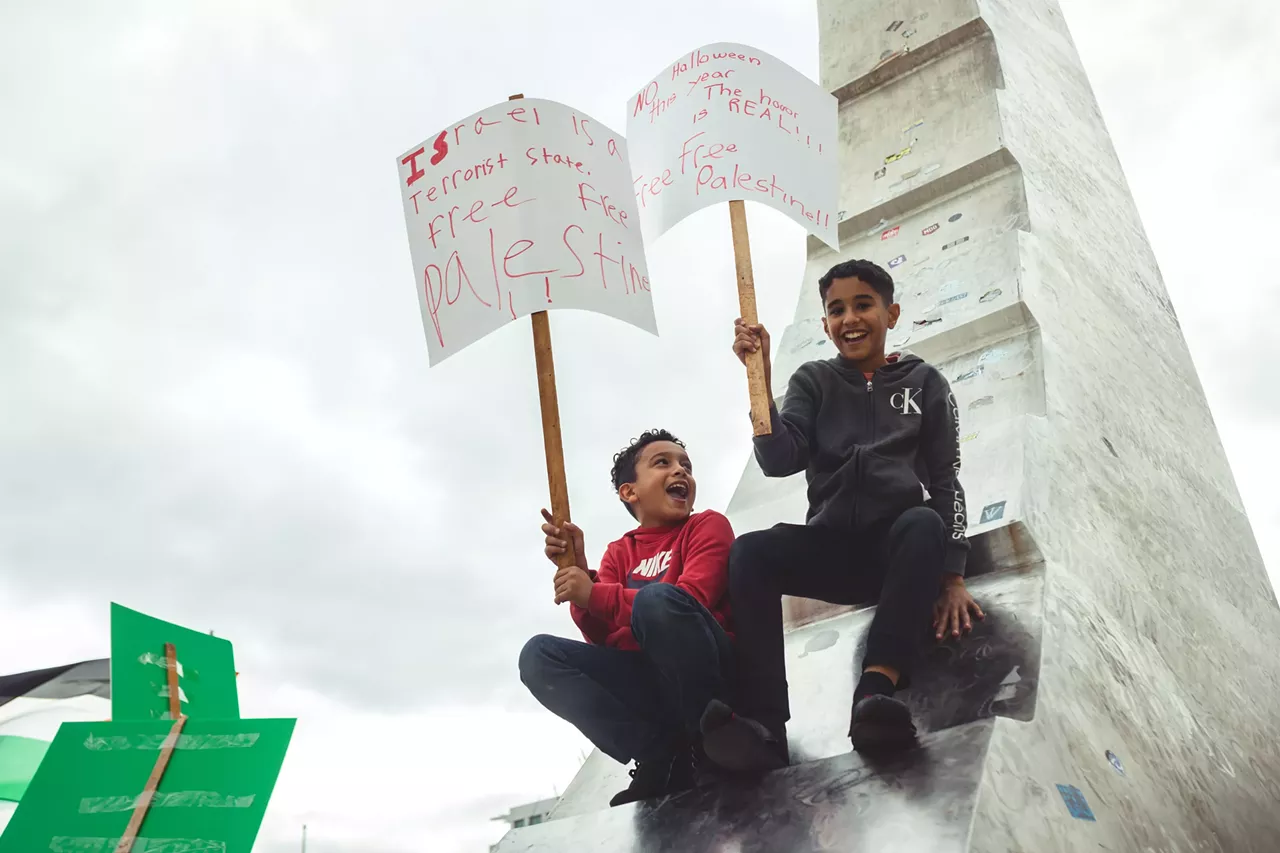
column 143, row 803
column 551, row 439
column 171, row 674
column 756, row 385
column 125, row 844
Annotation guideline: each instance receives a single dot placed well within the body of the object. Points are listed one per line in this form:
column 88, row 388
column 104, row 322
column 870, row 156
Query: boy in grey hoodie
column 871, row 432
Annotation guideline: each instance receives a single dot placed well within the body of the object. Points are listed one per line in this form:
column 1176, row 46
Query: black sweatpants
column 898, row 564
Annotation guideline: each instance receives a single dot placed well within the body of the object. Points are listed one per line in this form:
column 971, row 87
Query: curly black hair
column 865, row 271
column 624, row 461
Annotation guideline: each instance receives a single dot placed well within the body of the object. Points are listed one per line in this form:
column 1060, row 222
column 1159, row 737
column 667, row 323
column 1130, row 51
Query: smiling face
column 664, row 488
column 857, row 321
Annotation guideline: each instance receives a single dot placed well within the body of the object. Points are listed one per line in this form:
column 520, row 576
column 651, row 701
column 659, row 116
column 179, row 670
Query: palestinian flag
column 32, row 707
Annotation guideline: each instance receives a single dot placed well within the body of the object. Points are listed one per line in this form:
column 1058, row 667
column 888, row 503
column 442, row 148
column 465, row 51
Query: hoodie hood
column 900, row 364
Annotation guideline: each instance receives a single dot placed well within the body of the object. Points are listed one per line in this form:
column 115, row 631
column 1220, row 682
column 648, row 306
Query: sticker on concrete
column 990, row 294
column 931, row 168
column 894, row 27
column 970, row 437
column 1076, row 803
column 931, row 229
column 928, row 321
column 955, row 217
column 981, row 401
column 969, row 374
column 908, row 34
column 921, row 17
column 820, row 641
column 897, row 262
column 992, row 512
column 991, row 355
column 906, row 176
column 955, row 298
column 886, row 56
column 880, row 173
column 1008, row 687
column 890, row 232
column 895, row 157
column 878, row 226
column 947, row 287
column 954, row 243
column 841, row 215
column 920, row 260
column 1115, row 762
column 917, row 123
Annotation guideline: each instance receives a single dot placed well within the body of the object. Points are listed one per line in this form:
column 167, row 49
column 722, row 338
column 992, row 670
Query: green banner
column 139, row 689
column 19, row 758
column 211, row 799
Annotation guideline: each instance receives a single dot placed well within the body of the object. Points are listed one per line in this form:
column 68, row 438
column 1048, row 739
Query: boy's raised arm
column 940, row 444
column 786, row 450
column 704, row 576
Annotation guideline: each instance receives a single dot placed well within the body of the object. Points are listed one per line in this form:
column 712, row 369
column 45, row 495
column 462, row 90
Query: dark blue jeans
column 635, row 704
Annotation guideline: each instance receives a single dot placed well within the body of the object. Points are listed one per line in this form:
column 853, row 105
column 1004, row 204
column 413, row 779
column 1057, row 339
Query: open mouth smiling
column 679, row 491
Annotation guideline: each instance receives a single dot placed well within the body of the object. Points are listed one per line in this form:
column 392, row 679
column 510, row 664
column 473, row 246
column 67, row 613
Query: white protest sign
column 728, row 122
column 525, row 206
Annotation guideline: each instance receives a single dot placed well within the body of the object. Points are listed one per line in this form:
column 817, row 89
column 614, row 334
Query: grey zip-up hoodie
column 868, row 446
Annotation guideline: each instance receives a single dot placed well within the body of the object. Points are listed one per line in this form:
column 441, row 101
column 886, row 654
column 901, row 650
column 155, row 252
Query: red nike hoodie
column 693, row 555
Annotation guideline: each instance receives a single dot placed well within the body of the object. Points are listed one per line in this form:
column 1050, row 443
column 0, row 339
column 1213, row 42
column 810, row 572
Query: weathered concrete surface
column 1159, row 621
column 1132, row 653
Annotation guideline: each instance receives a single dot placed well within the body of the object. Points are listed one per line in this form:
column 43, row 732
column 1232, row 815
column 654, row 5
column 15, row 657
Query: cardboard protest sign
column 729, row 122
column 212, row 797
column 139, row 688
column 522, row 207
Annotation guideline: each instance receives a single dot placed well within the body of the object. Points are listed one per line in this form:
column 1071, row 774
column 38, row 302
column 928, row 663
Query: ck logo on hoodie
column 904, row 401
column 652, row 567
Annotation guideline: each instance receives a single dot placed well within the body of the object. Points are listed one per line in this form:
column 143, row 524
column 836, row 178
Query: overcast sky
column 215, row 405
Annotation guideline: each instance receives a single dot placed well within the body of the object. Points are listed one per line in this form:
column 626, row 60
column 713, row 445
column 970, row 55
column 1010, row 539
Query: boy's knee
column 750, row 556
column 534, row 658
column 654, row 603
column 919, row 522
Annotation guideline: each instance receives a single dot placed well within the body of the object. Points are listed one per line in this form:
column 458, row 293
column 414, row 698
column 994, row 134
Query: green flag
column 139, row 686
column 212, row 797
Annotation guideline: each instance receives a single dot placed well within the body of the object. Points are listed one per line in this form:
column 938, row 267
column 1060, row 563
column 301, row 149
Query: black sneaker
column 739, row 743
column 658, row 778
column 881, row 724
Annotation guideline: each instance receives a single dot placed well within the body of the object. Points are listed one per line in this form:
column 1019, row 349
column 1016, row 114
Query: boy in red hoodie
column 656, row 619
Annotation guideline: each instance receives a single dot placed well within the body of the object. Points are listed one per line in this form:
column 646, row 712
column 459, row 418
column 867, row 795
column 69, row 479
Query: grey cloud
column 218, row 407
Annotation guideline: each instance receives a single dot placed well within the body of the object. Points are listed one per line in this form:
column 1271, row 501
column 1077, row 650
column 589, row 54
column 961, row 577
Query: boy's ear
column 627, row 492
column 825, row 328
column 895, row 310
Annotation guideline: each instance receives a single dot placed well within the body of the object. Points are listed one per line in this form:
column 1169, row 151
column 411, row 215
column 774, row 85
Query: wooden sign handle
column 756, row 386
column 553, row 446
column 125, row 844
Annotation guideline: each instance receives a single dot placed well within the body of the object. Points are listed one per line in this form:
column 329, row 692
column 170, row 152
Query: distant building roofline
column 527, row 810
